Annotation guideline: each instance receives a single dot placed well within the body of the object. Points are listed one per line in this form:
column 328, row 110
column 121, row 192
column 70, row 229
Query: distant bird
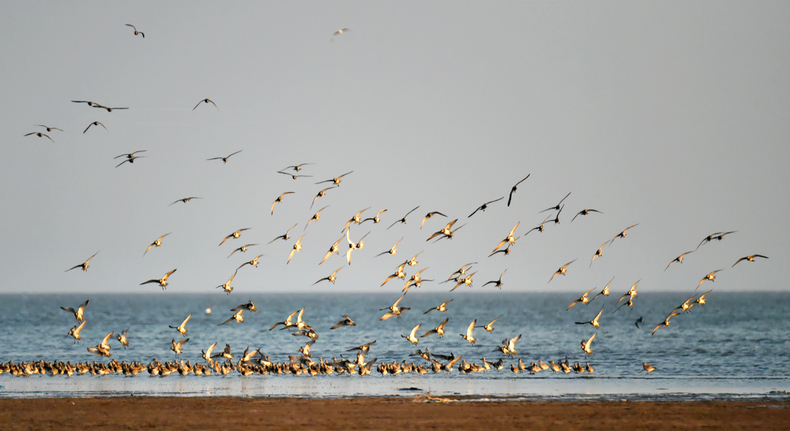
column 586, row 344
column 363, row 348
column 648, row 367
column 441, row 307
column 593, row 322
column 182, row 328
column 394, row 309
column 562, row 270
column 717, row 235
column 335, row 248
column 749, row 258
column 514, row 188
column 237, row 317
column 583, row 299
column 135, row 31
column 496, row 283
column 156, row 243
column 584, row 212
column 355, row 219
column 439, row 330
column 254, row 262
column 294, row 176
column 75, row 331
column 321, row 194
column 638, row 321
column 686, row 305
column 249, row 306
column 403, row 219
column 429, row 215
column 598, row 253
column 130, row 159
column 40, row 135
column 415, row 280
column 88, row 102
column 242, row 249
column 49, row 129
column 335, row 180
column 413, row 260
column 711, row 277
column 678, row 259
column 225, row 159
column 464, row 281
column 622, row 234
column 345, row 322
column 162, row 281
column 83, row 265
column 206, row 101
column 95, row 123
column 484, row 206
column 469, row 333
column 185, row 200
column 108, row 108
column 79, row 312
column 129, row 155
column 632, row 292
column 559, row 204
column 234, row 234
column 285, row 236
column 177, row 345
column 445, row 231
column 315, row 217
column 330, row 278
column 297, row 247
column 701, row 300
column 489, row 327
column 392, row 250
column 287, row 323
column 604, row 291
column 509, row 239
column 398, row 273
column 338, row 33
column 412, row 335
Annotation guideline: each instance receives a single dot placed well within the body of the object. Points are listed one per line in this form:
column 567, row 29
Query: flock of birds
column 302, row 362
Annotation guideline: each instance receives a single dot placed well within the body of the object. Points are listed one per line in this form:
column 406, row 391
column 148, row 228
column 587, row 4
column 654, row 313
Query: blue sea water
column 734, row 346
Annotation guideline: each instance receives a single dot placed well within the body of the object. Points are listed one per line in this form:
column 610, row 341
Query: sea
column 736, row 346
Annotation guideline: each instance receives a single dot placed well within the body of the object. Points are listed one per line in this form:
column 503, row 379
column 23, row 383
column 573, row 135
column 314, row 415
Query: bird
column 711, row 276
column 235, row 234
column 395, row 310
column 335, row 248
column 604, row 291
column 338, row 33
column 562, row 270
column 541, row 227
column 484, row 206
column 279, row 199
column 355, row 219
column 559, row 204
column 331, row 278
column 750, row 258
column 177, row 345
column 250, row 306
column 638, row 321
column 514, row 188
column 584, row 212
column 403, row 219
column 352, row 245
column 439, row 330
column 95, row 123
column 489, row 327
column 717, row 235
column 40, row 135
column 162, row 281
column 185, row 200
column 297, row 246
column 226, row 287
column 496, row 283
column 49, row 129
column 412, row 337
column 130, row 159
column 678, row 259
column 83, row 265
column 237, row 317
column 182, row 328
column 586, row 344
column 686, row 305
column 345, row 322
column 287, row 322
column 315, row 217
column 593, row 322
column 242, row 249
column 136, row 32
column 509, row 239
column 398, row 273
column 460, row 271
column 622, row 234
column 392, row 250
column 583, row 299
column 429, row 215
column 701, row 300
column 469, row 336
column 374, row 219
column 465, row 281
column 632, row 292
column 648, row 367
column 335, row 180
column 79, row 312
column 413, row 260
column 296, row 168
column 75, row 331
column 415, row 279
column 294, row 176
column 108, row 108
column 284, row 236
column 598, row 253
column 254, row 262
column 156, row 243
column 441, row 307
column 509, row 346
column 206, row 101
column 321, row 194
column 225, row 159
column 445, row 232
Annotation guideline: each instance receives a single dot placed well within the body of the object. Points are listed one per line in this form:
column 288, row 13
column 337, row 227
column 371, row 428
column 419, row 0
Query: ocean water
column 734, row 346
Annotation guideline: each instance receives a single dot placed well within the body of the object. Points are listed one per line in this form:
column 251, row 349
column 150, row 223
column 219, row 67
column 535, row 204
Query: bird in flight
column 294, row 176
column 156, row 243
column 242, row 249
column 136, row 32
column 622, row 234
column 182, row 328
column 559, row 204
column 185, row 200
column 40, row 135
column 510, row 239
column 284, row 236
column 225, row 159
column 374, row 219
column 335, row 180
column 206, row 101
column 711, row 277
column 330, row 278
column 441, row 307
column 485, row 206
column 496, row 283
column 717, row 235
column 315, row 217
column 514, row 188
column 392, row 250
column 162, row 281
column 234, row 234
column 345, row 322
column 83, row 265
column 130, row 157
column 79, row 312
column 593, row 322
column 562, row 270
column 678, row 259
column 598, row 253
column 49, row 129
column 584, row 212
column 429, row 215
column 587, row 343
column 279, row 199
column 403, row 219
column 95, row 123
column 338, row 33
column 321, row 194
column 297, row 247
column 583, row 299
column 108, row 108
column 749, row 258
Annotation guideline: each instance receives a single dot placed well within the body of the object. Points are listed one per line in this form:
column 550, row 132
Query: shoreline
column 385, row 413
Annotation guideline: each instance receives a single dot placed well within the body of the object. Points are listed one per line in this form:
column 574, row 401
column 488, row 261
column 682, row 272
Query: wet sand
column 178, row 413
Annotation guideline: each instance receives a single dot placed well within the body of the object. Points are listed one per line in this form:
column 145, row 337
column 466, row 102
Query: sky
column 670, row 116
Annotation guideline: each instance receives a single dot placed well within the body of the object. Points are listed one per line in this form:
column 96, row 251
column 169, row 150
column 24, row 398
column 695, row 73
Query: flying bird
column 412, row 335
column 330, row 278
column 439, row 330
column 441, row 307
column 345, row 322
column 485, row 206
column 294, row 176
column 496, row 283
column 321, row 194
column 162, row 281
column 95, row 123
column 242, row 249
column 182, row 328
column 678, row 259
column 717, row 235
column 665, row 322
column 284, row 236
column 335, row 248
column 490, row 325
column 206, row 101
column 40, row 135
column 335, row 180
column 403, row 219
column 622, row 234
column 514, row 188
column 584, row 212
column 108, row 108
column 315, row 217
column 749, row 258
column 225, row 159
column 510, row 239
column 185, row 200
column 237, row 317
column 49, row 129
column 711, row 277
column 156, row 243
column 374, row 219
column 593, row 322
column 429, row 215
column 355, row 219
column 338, row 33
column 583, row 299
column 234, row 235
column 392, row 250
column 604, row 291
column 562, row 270
column 79, row 312
column 586, row 344
column 249, row 306
column 598, row 253
column 469, row 333
column 83, row 265
column 559, row 204
column 131, row 158
column 297, row 247
column 135, row 31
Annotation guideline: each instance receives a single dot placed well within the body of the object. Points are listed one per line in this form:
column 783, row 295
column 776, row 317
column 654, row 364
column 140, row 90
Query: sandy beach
column 384, row 413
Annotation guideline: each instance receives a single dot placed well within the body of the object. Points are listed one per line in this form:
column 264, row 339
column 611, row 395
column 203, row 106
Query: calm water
column 736, row 345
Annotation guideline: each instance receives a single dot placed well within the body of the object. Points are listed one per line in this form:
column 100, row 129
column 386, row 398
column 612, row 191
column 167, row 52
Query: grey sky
column 673, row 115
